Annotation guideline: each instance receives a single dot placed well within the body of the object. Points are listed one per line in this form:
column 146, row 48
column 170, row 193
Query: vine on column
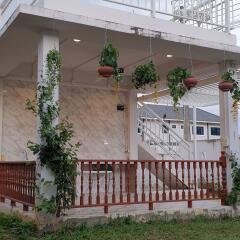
column 55, row 151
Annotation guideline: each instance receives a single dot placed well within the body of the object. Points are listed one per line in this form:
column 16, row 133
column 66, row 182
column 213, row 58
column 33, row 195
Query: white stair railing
column 159, row 136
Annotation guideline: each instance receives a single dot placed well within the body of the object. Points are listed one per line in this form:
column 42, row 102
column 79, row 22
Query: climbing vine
column 55, row 150
column 232, row 197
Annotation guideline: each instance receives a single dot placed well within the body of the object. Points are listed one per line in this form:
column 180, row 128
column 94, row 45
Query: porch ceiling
column 18, row 47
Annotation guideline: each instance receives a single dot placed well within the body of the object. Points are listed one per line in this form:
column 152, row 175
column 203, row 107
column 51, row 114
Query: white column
column 187, row 133
column 153, row 8
column 195, row 132
column 227, row 16
column 48, row 41
column 229, row 129
column 132, row 125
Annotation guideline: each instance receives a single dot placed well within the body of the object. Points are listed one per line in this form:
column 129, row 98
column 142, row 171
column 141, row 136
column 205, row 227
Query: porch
column 105, row 133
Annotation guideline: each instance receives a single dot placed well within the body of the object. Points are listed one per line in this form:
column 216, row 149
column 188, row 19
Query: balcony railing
column 106, row 183
column 17, row 183
column 220, row 15
column 110, row 183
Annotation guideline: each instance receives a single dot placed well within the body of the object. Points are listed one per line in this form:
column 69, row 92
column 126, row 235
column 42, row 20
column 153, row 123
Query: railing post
column 153, row 8
column 223, row 163
column 227, row 16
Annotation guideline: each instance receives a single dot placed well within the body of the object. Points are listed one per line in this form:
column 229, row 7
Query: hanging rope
column 190, row 57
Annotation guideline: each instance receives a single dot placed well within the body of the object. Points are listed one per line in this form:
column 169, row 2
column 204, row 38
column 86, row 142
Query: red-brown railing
column 108, row 183
column 17, row 183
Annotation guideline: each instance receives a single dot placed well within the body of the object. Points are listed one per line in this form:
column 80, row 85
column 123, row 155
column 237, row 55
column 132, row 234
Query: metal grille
column 220, row 15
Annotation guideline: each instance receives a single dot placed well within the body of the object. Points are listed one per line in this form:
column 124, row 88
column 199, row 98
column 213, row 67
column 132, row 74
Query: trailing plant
column 55, row 150
column 144, row 75
column 232, row 198
column 234, row 88
column 109, row 57
column 175, row 83
column 235, row 91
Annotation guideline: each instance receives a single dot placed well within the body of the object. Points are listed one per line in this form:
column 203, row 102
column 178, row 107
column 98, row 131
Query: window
column 215, row 131
column 182, row 127
column 200, row 130
column 174, row 126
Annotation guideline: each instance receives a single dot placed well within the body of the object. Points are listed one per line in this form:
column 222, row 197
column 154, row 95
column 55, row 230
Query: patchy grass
column 11, row 228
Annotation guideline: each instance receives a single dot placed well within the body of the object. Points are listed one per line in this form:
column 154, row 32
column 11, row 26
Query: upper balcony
column 219, row 15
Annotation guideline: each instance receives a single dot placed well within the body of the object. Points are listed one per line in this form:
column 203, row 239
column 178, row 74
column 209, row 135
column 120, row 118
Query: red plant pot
column 105, row 71
column 225, row 86
column 190, row 82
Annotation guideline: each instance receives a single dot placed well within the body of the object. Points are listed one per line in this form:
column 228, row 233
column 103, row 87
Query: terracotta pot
column 190, row 82
column 225, row 86
column 105, row 71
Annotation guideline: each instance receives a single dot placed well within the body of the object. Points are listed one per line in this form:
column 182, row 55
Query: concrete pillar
column 48, row 41
column 229, row 126
column 187, row 134
column 133, row 138
column 195, row 133
column 133, row 127
column 1, row 118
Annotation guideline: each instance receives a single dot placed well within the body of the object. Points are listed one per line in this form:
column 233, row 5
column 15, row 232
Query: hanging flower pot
column 190, row 82
column 175, row 82
column 108, row 61
column 105, row 71
column 228, row 81
column 225, row 86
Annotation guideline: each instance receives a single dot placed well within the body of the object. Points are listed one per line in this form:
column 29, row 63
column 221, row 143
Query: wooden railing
column 17, row 183
column 108, row 183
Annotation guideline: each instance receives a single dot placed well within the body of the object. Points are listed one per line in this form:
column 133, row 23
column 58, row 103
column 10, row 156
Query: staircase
column 158, row 139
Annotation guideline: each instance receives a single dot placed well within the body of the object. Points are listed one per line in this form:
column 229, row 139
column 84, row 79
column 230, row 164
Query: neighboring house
column 207, row 131
column 208, row 124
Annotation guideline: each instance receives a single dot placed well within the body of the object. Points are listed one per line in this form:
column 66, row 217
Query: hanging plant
column 144, row 75
column 227, row 82
column 230, row 84
column 175, row 82
column 55, row 150
column 108, row 61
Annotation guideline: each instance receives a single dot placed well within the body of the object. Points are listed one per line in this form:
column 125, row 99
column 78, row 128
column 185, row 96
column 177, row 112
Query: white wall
column 98, row 126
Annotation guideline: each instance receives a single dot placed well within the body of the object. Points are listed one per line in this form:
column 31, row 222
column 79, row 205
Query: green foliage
column 109, row 56
column 228, row 76
column 55, row 152
column 12, row 227
column 235, row 91
column 232, row 198
column 144, row 75
column 175, row 83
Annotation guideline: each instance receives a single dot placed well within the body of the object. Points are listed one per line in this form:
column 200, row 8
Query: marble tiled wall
column 99, row 127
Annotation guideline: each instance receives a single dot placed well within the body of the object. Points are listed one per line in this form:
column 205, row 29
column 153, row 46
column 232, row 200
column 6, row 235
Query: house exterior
column 208, row 124
column 207, row 129
column 170, row 38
